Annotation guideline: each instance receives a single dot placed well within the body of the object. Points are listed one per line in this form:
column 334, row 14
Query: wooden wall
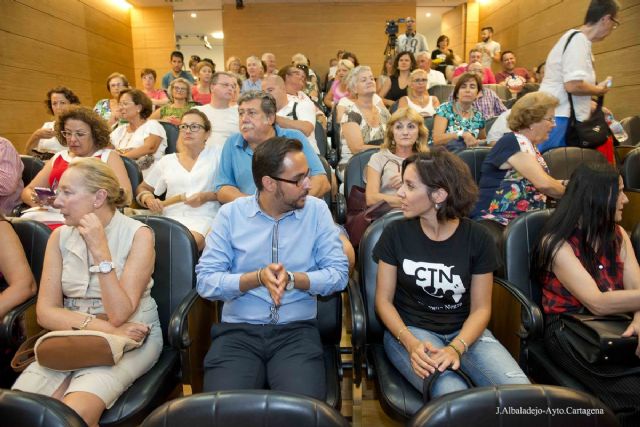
column 315, row 29
column 461, row 25
column 531, row 29
column 46, row 43
column 153, row 38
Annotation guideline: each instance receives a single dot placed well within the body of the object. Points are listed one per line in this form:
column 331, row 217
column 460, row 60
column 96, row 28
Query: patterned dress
column 455, row 123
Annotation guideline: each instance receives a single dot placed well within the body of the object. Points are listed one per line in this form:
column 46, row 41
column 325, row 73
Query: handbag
column 427, row 385
column 73, row 350
column 359, row 216
column 597, row 339
column 25, row 354
column 590, row 133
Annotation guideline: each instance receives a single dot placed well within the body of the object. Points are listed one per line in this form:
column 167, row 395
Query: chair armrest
column 7, row 339
column 358, row 330
column 532, row 319
column 332, row 157
column 341, row 208
column 178, row 332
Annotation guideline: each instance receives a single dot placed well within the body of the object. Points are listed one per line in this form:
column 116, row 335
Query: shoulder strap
column 572, row 117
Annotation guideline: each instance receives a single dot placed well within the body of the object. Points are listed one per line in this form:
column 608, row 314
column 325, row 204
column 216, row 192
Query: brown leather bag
column 359, row 216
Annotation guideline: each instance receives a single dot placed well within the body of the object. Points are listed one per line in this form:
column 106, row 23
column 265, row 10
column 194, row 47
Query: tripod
column 390, row 49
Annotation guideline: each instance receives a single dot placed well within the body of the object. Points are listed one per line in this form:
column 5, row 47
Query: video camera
column 391, row 28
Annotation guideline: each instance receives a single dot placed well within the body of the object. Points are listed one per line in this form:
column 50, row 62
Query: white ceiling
column 217, row 4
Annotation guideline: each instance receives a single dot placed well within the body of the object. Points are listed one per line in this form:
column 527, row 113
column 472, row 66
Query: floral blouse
column 456, row 123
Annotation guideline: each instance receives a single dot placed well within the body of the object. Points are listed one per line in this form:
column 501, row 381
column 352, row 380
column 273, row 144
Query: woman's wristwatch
column 459, row 134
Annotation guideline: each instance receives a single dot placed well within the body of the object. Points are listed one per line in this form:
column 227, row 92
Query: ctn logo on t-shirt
column 435, row 279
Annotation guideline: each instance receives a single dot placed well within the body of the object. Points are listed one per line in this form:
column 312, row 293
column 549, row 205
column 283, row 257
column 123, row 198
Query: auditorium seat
column 32, row 165
column 631, row 170
column 173, row 133
column 507, row 406
column 473, row 158
column 250, row 408
column 562, row 161
column 354, row 174
column 134, row 173
column 20, row 409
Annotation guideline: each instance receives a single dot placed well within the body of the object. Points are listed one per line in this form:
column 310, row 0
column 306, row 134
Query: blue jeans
column 487, row 362
column 556, row 136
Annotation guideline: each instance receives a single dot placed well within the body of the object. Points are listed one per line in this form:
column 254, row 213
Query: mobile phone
column 44, row 193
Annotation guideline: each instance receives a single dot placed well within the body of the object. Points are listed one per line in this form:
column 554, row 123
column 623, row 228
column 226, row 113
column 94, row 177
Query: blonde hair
column 99, row 176
column 530, row 109
column 420, row 146
column 411, row 77
column 183, row 81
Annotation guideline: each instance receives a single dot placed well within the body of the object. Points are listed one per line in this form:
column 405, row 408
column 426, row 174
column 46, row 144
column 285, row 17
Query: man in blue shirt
column 267, row 257
column 257, row 111
column 177, row 63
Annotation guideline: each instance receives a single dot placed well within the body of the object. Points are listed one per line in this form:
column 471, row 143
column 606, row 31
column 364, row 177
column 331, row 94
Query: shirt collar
column 254, row 209
column 242, row 143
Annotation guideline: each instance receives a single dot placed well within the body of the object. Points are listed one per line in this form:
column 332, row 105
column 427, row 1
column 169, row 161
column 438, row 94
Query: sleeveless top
column 60, row 162
column 337, row 93
column 557, row 299
column 426, row 111
column 395, row 92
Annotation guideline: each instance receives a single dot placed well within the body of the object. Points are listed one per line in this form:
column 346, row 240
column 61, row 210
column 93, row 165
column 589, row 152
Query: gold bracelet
column 87, row 319
column 258, row 275
column 466, row 347
column 400, row 333
column 455, row 349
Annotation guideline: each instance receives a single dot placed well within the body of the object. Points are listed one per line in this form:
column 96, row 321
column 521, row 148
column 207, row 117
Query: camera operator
column 410, row 40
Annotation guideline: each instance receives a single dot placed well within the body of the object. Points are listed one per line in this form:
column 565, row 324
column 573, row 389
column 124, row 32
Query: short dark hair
column 269, row 156
column 120, row 76
column 464, row 78
column 441, row 39
column 442, row 169
column 347, row 55
column 505, row 52
column 203, row 116
column 177, row 54
column 68, row 93
column 397, row 59
column 267, row 102
column 100, row 131
column 487, row 28
column 600, row 8
column 146, row 71
column 139, row 98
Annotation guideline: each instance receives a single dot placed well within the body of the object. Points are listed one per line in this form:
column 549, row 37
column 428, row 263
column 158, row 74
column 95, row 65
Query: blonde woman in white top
column 418, row 97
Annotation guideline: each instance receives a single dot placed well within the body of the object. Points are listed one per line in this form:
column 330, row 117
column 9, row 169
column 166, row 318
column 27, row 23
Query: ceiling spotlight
column 239, row 4
column 428, row 15
column 194, row 15
column 218, row 35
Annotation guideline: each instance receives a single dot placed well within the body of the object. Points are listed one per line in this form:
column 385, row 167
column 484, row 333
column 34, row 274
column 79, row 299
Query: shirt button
column 600, row 266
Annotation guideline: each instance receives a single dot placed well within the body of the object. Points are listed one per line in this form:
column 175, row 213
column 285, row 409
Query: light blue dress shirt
column 235, row 161
column 248, row 85
column 243, row 239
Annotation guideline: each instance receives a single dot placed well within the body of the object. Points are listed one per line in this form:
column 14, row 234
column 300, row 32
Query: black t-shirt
column 434, row 278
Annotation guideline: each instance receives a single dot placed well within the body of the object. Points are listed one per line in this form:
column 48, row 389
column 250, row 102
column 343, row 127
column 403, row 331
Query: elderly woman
column 586, row 264
column 515, row 178
column 396, row 87
column 16, row 281
column 363, row 121
column 43, row 142
column 338, row 88
column 180, row 96
column 439, row 324
column 100, row 262
column 84, row 134
column 140, row 139
column 405, row 135
column 108, row 108
column 186, row 177
column 233, row 65
column 418, row 97
column 201, row 91
column 458, row 124
column 158, row 97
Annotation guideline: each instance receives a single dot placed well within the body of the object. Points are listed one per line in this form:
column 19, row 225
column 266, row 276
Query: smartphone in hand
column 45, row 195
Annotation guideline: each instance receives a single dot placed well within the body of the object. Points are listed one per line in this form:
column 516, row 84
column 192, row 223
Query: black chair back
column 133, row 171
column 631, row 126
column 368, row 272
column 34, row 236
column 321, row 139
column 172, row 132
column 474, row 157
column 355, row 170
column 635, row 241
column 428, row 123
column 32, row 165
column 563, row 161
column 520, row 238
column 441, row 92
column 249, row 408
column 335, row 130
column 20, row 409
column 500, row 90
column 488, row 123
column 394, row 107
column 174, row 272
column 327, row 170
column 631, row 170
column 491, row 406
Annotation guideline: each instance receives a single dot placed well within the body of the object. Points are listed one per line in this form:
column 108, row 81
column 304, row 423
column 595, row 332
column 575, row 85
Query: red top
column 557, row 299
column 202, row 98
column 60, row 163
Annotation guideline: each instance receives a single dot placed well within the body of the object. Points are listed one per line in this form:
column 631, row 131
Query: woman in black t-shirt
column 435, row 274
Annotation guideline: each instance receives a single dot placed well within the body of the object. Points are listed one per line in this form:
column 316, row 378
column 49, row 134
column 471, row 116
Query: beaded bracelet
column 400, row 333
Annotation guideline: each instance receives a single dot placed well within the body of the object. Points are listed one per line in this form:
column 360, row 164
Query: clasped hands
column 426, row 358
column 274, row 277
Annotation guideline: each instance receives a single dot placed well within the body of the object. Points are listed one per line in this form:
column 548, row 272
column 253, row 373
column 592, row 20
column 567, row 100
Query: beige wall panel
column 19, row 140
column 627, row 35
column 70, row 11
column 100, row 23
column 153, row 39
column 624, row 101
column 619, row 64
column 318, row 30
column 19, row 116
column 19, row 84
column 452, row 26
column 108, row 9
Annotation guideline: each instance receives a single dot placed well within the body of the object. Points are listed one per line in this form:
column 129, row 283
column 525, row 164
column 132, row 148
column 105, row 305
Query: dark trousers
column 286, row 358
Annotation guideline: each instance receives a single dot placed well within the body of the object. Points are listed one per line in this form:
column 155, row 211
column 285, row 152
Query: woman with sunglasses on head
column 180, row 96
column 405, row 135
column 187, row 178
column 142, row 140
column 418, row 97
column 84, row 134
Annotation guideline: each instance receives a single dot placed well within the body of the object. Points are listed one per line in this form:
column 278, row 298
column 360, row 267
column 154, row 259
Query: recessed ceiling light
column 428, row 14
column 194, row 15
column 218, row 35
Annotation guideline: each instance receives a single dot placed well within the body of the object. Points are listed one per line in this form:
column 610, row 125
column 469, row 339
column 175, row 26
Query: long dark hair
column 588, row 205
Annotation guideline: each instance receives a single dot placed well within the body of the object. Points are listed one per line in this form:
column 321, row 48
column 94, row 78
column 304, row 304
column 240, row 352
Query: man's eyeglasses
column 298, row 182
column 193, row 127
column 68, row 134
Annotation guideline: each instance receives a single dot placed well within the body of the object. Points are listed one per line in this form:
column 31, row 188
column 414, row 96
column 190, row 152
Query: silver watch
column 292, row 281
column 103, row 267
